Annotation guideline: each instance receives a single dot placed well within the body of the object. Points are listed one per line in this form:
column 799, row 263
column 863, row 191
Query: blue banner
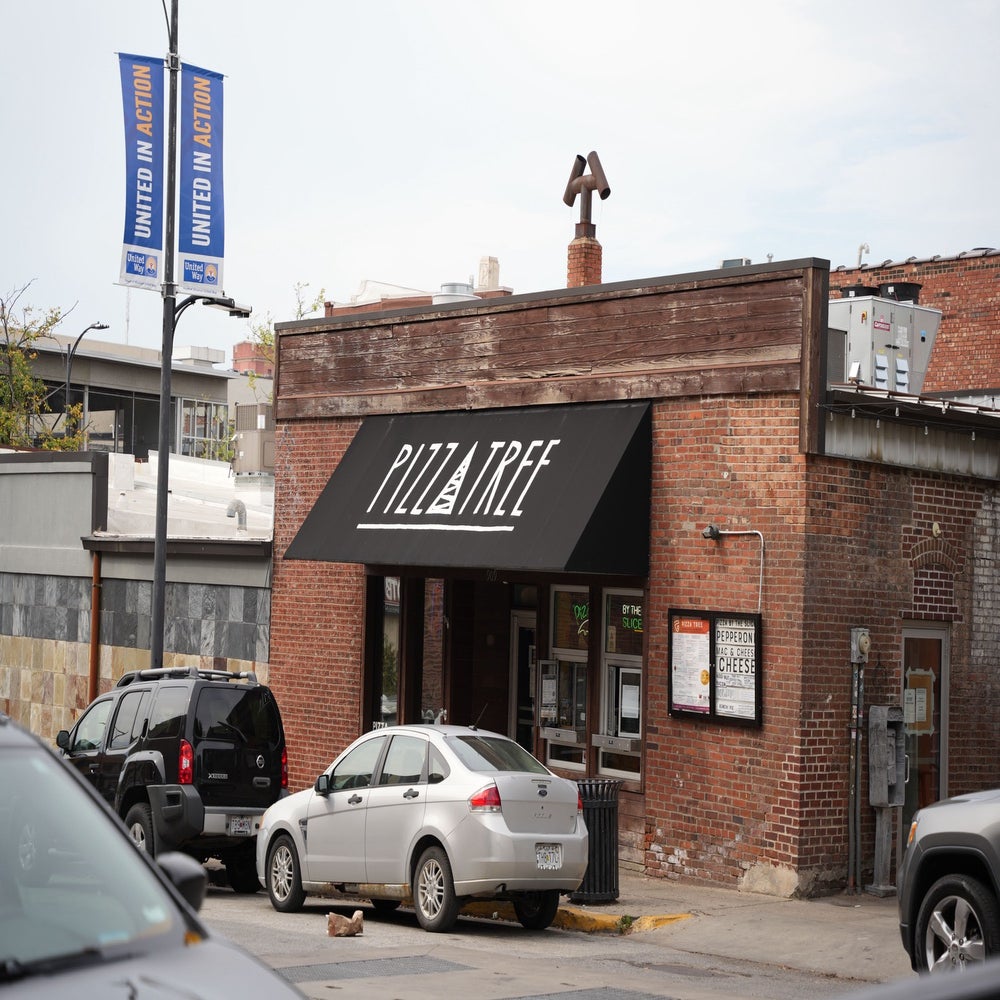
column 201, row 228
column 142, row 102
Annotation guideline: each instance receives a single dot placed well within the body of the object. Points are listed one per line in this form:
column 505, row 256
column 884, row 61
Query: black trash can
column 600, row 813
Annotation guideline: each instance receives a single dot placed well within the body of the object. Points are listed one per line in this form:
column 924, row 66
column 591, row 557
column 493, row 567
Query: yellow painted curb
column 573, row 919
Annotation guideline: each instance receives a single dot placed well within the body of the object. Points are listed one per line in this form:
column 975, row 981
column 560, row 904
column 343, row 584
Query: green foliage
column 23, row 398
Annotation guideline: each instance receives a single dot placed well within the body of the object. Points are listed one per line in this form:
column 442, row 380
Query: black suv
column 948, row 885
column 189, row 759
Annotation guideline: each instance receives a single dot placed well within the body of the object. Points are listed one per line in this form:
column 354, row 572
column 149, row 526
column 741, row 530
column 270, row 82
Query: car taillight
column 185, row 764
column 284, row 767
column 579, row 802
column 487, row 799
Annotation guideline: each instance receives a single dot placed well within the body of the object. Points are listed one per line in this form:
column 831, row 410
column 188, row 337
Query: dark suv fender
column 178, row 814
column 140, row 771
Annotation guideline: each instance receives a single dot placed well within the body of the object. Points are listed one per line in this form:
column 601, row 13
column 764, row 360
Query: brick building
column 250, row 359
column 638, row 526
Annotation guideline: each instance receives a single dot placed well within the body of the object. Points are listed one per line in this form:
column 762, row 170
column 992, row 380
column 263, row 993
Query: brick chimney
column 584, row 264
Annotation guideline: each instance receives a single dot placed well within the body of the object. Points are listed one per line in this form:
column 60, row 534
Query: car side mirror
column 188, row 876
column 322, row 785
column 62, row 739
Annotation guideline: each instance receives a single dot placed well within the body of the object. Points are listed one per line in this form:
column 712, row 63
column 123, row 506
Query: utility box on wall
column 886, row 756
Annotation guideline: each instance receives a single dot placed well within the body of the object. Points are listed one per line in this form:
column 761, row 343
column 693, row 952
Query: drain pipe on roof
column 95, row 629
column 238, row 509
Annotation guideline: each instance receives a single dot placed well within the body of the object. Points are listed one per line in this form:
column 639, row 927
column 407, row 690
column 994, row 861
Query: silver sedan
column 432, row 816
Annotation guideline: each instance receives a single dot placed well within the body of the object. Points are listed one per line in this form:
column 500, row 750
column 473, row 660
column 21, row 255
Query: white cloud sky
column 401, row 141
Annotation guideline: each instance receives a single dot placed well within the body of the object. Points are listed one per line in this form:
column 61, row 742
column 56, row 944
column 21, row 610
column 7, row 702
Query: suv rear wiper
column 223, row 724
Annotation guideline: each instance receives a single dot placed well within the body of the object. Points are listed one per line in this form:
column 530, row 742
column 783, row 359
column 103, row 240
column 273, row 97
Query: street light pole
column 166, row 358
column 172, row 311
column 70, row 354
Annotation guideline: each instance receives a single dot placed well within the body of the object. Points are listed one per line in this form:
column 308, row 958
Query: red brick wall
column 874, row 560
column 317, row 610
column 846, row 544
column 721, row 798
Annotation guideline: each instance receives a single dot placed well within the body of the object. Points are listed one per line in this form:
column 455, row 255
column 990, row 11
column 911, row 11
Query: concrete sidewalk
column 855, row 935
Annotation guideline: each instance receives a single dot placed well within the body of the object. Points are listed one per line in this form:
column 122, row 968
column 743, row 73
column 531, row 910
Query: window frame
column 559, row 738
column 614, row 666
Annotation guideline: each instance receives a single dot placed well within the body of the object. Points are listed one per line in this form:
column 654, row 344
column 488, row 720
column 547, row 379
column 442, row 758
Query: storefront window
column 563, row 697
column 389, row 673
column 619, row 743
column 570, row 620
column 205, row 430
column 432, row 681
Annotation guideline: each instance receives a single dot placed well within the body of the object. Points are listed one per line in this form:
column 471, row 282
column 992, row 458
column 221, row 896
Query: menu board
column 715, row 666
column 690, row 660
column 735, row 667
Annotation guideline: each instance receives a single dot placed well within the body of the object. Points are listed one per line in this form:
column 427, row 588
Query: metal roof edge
column 234, row 548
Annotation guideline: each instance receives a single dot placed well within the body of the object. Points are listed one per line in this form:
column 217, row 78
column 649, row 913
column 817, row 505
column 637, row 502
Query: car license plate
column 240, row 826
column 548, row 857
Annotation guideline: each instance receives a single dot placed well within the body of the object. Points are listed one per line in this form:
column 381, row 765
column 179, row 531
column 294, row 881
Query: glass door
column 522, row 679
column 387, row 657
column 925, row 719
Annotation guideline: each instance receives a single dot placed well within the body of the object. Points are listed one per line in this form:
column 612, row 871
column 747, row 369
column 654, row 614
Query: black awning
column 542, row 489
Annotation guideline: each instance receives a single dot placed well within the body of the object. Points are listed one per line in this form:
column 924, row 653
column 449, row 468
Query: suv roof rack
column 165, row 673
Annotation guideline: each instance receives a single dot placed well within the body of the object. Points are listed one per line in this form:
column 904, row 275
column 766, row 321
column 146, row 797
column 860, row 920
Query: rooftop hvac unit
column 254, row 453
column 735, row 262
column 880, row 343
column 254, row 417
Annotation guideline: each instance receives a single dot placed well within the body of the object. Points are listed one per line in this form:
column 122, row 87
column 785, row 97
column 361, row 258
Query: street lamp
column 172, row 313
column 70, row 354
column 222, row 302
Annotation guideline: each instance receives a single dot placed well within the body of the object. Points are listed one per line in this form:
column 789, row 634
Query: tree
column 262, row 332
column 23, row 398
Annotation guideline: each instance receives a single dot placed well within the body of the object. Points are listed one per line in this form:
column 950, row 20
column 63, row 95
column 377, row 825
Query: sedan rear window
column 491, row 753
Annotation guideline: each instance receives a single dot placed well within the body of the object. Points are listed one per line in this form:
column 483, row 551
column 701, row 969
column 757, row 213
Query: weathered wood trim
column 779, row 376
column 815, row 321
column 717, row 332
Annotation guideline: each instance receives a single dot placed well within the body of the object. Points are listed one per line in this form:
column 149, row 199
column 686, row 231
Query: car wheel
column 958, row 924
column 139, row 821
column 537, row 910
column 284, row 880
column 241, row 873
column 435, row 900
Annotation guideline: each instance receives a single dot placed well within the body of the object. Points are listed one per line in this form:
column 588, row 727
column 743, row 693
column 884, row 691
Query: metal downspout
column 95, row 628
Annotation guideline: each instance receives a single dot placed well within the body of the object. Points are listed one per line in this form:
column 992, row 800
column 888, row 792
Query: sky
column 403, row 140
